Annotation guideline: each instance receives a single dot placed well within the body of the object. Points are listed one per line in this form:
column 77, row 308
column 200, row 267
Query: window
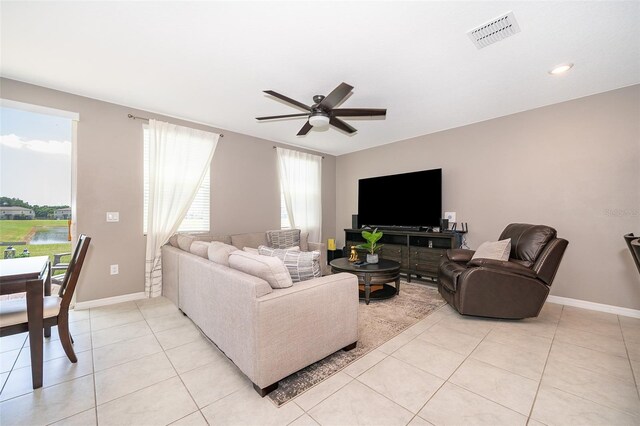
column 284, row 216
column 300, row 183
column 197, row 218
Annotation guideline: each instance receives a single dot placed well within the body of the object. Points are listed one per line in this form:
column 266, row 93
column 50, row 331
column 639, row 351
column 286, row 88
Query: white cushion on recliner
column 496, row 250
column 14, row 312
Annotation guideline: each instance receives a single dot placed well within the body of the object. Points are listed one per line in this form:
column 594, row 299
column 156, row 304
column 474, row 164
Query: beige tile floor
column 144, row 363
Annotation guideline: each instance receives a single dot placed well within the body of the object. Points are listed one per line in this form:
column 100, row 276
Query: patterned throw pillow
column 302, row 265
column 284, row 238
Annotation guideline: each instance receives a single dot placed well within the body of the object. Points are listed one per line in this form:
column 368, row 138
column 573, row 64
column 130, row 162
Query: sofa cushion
column 173, row 241
column 253, row 239
column 270, row 269
column 496, row 250
column 226, row 239
column 185, row 241
column 199, row 248
column 301, row 265
column 250, row 250
column 283, row 238
column 210, row 237
column 219, row 252
column 304, row 241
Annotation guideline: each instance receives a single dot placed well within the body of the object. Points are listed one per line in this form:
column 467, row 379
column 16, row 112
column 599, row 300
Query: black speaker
column 354, row 221
column 444, row 225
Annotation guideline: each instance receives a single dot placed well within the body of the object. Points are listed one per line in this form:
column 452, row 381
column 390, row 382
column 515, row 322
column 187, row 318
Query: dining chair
column 633, row 242
column 13, row 313
column 58, row 266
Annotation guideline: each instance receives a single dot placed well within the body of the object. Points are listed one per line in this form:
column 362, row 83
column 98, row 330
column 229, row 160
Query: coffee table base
column 372, row 275
column 386, row 292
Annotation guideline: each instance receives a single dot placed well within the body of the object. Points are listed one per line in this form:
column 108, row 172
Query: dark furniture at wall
column 512, row 289
column 36, row 314
column 418, row 253
column 373, row 274
column 334, row 254
column 633, row 242
column 32, row 276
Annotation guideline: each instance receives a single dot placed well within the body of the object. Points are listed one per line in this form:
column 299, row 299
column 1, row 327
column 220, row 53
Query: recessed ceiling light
column 560, row 69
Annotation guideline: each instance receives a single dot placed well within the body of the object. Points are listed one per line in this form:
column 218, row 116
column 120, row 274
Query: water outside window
column 35, row 184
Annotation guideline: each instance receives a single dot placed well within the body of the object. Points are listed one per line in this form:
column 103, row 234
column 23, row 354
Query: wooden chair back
column 632, row 243
column 73, row 272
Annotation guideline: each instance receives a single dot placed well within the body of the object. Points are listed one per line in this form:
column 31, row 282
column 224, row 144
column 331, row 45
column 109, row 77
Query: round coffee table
column 379, row 273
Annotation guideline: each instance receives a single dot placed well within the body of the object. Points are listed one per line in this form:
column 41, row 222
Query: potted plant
column 371, row 244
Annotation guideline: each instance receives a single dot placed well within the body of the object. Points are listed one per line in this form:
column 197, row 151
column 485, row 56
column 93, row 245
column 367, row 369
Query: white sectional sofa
column 268, row 333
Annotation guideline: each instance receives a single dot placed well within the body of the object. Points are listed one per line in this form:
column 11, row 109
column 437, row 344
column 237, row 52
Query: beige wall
column 574, row 166
column 245, row 192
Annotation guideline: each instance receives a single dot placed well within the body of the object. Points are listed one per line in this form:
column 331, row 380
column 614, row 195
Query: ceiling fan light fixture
column 319, row 121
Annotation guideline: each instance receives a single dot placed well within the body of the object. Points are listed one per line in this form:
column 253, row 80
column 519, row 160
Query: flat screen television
column 388, row 201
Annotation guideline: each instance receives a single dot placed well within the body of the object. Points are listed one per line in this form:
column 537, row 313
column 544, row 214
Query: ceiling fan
column 324, row 112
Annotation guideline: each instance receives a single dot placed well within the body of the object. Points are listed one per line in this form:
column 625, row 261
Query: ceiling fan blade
column 272, row 117
column 359, row 112
column 336, row 122
column 288, row 100
column 305, row 129
column 336, row 96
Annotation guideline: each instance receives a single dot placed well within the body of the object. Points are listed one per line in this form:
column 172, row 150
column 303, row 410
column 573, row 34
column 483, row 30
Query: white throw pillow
column 270, row 269
column 219, row 252
column 496, row 250
column 199, row 248
column 251, row 250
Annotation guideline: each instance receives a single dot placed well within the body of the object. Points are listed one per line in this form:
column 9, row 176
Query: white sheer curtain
column 301, row 184
column 178, row 160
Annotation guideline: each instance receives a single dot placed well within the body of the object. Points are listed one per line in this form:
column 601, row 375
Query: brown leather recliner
column 512, row 289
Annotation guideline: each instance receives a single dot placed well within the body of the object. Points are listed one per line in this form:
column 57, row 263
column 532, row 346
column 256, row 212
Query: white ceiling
column 210, row 61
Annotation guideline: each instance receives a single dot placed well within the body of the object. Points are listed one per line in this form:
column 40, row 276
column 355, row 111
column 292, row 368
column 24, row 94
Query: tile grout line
column 598, row 403
column 633, row 373
column 451, row 375
column 93, row 364
column 303, row 413
column 164, row 352
column 470, row 391
column 137, row 359
column 364, row 371
column 24, row 342
column 553, row 339
column 93, row 379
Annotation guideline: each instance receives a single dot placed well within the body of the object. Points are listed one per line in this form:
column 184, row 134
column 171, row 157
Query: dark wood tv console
column 417, row 252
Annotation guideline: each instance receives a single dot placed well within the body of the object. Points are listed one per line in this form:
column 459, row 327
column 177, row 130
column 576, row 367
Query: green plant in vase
column 371, row 245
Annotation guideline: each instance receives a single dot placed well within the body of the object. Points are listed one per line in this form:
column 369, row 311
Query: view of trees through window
column 35, row 184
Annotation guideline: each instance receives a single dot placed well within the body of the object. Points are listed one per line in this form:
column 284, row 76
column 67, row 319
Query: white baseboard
column 109, row 300
column 626, row 312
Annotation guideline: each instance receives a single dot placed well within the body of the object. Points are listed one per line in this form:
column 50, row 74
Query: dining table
column 31, row 275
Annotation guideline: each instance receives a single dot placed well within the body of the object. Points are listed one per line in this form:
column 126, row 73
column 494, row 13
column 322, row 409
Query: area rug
column 378, row 322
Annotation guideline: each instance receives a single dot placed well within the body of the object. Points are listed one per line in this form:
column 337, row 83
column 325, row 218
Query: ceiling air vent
column 495, row 30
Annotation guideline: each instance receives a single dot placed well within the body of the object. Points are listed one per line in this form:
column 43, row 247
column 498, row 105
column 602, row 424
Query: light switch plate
column 114, row 269
column 451, row 216
column 113, row 216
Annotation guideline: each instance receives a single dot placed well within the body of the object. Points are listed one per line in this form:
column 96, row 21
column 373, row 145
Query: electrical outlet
column 114, row 270
column 113, row 216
